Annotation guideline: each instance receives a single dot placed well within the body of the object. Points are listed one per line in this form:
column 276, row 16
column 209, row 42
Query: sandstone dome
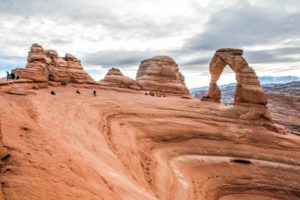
column 161, row 73
column 115, row 78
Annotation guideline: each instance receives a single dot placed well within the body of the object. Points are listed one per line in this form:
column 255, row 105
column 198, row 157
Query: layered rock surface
column 45, row 65
column 249, row 98
column 120, row 146
column 126, row 145
column 36, row 68
column 115, row 78
column 161, row 73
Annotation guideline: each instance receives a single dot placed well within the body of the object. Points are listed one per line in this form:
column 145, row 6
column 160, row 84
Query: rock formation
column 45, row 65
column 128, row 146
column 248, row 93
column 123, row 144
column 37, row 66
column 161, row 73
column 115, row 78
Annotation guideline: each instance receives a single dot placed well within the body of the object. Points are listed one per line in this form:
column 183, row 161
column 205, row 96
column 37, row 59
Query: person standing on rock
column 95, row 94
column 63, row 83
column 7, row 75
column 12, row 75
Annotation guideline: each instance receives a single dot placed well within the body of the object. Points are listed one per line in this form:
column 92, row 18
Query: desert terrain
column 283, row 102
column 140, row 139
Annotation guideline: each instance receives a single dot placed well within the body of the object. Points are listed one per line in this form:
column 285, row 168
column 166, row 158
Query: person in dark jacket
column 63, row 83
column 77, row 91
column 52, row 92
column 95, row 94
column 12, row 75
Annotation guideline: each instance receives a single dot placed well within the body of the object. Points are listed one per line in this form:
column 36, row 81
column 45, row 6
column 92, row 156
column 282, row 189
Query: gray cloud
column 108, row 59
column 240, row 26
column 271, row 56
column 98, row 31
column 244, row 25
column 91, row 13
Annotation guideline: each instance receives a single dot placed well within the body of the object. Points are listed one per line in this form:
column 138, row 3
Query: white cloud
column 122, row 33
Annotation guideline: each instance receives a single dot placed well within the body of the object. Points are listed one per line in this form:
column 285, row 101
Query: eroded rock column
column 36, row 68
column 161, row 73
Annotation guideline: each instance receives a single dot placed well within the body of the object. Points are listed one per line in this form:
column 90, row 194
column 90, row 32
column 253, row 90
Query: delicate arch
column 248, row 89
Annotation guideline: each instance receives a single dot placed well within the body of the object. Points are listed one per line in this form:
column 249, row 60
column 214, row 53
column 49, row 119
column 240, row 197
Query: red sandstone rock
column 119, row 146
column 161, row 73
column 248, row 93
column 44, row 65
column 36, row 68
column 115, row 78
column 214, row 95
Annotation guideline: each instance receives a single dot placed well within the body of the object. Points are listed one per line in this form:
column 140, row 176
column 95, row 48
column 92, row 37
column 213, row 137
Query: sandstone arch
column 248, row 89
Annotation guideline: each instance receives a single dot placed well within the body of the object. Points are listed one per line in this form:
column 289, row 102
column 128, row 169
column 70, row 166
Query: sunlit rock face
column 161, row 73
column 249, row 96
column 115, row 78
column 93, row 142
column 122, row 145
column 36, row 68
column 45, row 65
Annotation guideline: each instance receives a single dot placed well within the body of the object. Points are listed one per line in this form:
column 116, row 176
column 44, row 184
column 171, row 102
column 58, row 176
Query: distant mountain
column 277, row 79
column 292, row 88
column 264, row 80
column 289, row 85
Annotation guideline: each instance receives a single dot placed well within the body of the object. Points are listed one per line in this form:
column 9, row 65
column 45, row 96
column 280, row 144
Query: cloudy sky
column 109, row 33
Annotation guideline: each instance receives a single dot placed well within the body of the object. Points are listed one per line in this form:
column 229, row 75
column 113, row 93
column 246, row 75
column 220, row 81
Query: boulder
column 161, row 73
column 115, row 78
column 75, row 71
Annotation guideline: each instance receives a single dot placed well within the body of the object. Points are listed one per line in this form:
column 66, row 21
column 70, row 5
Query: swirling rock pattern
column 130, row 146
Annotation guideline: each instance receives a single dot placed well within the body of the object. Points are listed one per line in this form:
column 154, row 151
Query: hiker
column 18, row 77
column 63, row 83
column 52, row 92
column 94, row 93
column 77, row 91
column 12, row 75
column 7, row 75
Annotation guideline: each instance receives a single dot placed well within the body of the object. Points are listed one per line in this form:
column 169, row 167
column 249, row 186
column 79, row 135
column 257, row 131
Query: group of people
column 11, row 76
column 77, row 91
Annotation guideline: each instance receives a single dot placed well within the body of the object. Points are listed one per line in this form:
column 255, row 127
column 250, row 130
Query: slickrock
column 161, row 73
column 45, row 65
column 249, row 96
column 119, row 146
column 116, row 145
column 115, row 78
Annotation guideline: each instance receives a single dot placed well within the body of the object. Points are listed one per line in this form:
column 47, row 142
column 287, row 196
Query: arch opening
column 227, row 84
